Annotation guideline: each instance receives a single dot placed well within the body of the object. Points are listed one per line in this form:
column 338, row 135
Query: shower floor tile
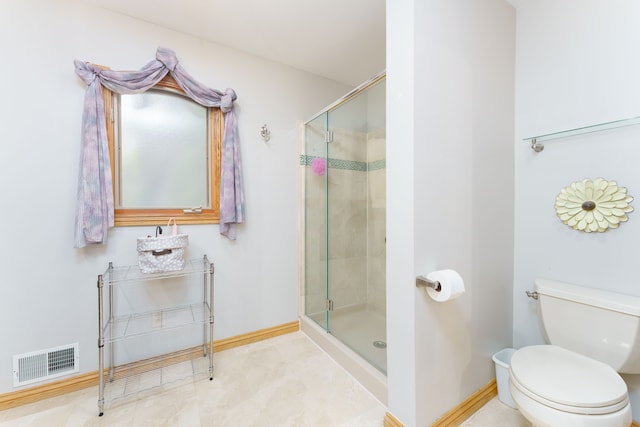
column 363, row 331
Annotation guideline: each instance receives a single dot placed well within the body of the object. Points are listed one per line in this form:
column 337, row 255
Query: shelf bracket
column 536, row 146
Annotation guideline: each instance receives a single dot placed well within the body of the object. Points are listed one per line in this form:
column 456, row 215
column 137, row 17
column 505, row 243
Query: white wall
column 576, row 66
column 47, row 288
column 401, row 327
column 450, row 76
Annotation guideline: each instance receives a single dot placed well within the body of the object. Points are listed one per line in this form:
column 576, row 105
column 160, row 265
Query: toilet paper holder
column 423, row 282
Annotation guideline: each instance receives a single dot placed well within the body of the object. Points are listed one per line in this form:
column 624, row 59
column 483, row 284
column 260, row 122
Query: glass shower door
column 346, row 212
column 356, row 223
column 316, row 290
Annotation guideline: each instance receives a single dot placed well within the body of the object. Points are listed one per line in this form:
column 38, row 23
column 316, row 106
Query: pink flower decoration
column 319, row 166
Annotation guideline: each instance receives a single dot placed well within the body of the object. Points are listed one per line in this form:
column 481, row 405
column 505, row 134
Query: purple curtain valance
column 95, row 210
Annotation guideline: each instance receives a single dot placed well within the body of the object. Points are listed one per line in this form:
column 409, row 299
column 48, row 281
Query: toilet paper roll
column 451, row 285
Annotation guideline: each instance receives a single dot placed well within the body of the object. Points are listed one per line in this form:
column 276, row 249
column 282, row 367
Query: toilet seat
column 567, row 381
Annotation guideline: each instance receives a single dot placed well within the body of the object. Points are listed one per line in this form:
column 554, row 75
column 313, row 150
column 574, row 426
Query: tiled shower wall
column 377, row 220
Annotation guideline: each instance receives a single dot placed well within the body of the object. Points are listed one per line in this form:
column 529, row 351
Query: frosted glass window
column 165, row 156
column 162, row 159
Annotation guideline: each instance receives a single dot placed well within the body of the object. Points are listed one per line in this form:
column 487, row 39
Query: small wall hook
column 265, row 133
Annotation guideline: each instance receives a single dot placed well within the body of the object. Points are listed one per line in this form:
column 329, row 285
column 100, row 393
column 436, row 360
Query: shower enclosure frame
column 354, row 362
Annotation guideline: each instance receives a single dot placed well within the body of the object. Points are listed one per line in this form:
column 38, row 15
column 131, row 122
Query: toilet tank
column 599, row 324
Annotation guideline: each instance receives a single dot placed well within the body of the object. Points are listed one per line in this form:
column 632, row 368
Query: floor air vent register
column 45, row 364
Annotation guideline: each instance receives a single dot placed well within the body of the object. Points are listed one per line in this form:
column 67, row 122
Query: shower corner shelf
column 122, row 329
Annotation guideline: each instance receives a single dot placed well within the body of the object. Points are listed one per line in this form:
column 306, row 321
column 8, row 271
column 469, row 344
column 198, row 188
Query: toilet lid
column 566, row 380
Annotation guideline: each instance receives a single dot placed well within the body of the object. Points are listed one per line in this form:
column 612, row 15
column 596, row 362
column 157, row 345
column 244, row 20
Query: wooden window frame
column 144, row 217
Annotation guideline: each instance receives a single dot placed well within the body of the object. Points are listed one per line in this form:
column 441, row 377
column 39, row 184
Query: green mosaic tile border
column 306, row 160
column 377, row 165
column 349, row 165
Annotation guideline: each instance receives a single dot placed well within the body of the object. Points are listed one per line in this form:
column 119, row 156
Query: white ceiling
column 343, row 40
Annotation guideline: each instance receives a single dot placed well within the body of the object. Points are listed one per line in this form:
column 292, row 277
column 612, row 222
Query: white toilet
column 574, row 381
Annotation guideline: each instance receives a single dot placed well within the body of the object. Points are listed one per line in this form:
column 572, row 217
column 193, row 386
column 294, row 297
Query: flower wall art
column 593, row 206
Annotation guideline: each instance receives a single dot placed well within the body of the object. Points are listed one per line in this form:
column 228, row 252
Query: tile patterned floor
column 496, row 414
column 284, row 381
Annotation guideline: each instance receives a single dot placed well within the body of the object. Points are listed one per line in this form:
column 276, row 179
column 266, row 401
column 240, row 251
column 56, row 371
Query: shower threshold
column 367, row 375
column 360, row 329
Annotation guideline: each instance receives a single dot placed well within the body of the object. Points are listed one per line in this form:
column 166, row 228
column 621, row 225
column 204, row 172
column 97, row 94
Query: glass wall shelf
column 536, row 141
